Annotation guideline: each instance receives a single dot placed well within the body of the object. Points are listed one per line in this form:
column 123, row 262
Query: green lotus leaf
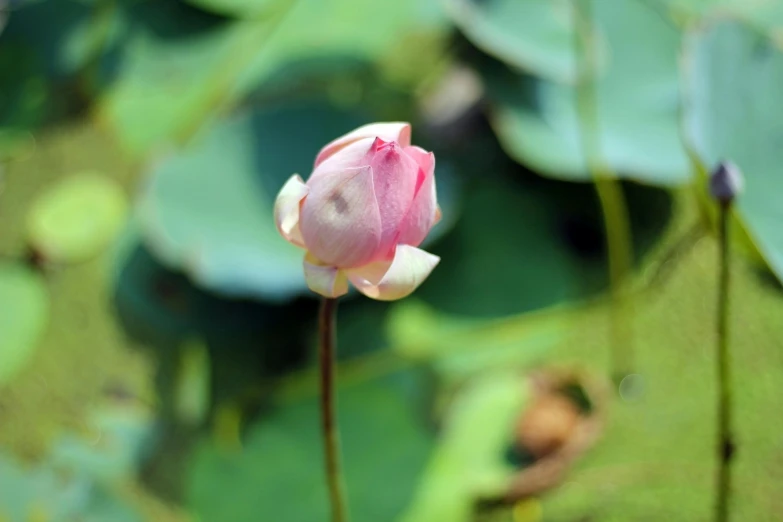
column 24, row 300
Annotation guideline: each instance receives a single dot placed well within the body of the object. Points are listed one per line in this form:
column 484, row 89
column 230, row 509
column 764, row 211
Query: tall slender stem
column 610, row 194
column 726, row 442
column 331, row 435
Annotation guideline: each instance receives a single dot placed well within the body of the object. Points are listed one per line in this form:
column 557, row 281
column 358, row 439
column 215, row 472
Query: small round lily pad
column 77, row 218
column 25, row 304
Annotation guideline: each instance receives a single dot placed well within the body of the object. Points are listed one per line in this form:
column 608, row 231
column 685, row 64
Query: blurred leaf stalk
column 607, row 185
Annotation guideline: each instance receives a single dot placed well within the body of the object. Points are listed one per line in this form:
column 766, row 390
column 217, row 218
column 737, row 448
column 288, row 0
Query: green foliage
column 27, row 492
column 62, row 33
column 160, row 365
column 734, row 112
column 172, row 68
column 76, row 480
column 278, row 474
column 657, row 455
column 536, row 36
column 493, row 266
column 207, row 348
column 76, row 218
column 113, row 446
column 470, row 459
column 186, row 67
column 484, row 272
column 24, row 300
column 192, row 392
column 765, row 15
column 23, row 102
column 637, row 104
column 457, row 348
column 652, row 456
column 239, row 8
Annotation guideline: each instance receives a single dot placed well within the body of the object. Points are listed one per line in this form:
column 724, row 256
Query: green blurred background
column 157, row 338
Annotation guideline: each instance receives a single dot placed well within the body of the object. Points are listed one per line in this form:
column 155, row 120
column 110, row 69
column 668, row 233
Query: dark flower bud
column 726, row 182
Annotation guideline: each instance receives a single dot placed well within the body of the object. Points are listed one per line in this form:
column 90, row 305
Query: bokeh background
column 157, row 341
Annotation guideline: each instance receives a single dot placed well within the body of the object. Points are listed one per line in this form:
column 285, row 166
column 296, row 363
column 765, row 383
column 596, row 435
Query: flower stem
column 331, row 436
column 619, row 245
column 726, row 442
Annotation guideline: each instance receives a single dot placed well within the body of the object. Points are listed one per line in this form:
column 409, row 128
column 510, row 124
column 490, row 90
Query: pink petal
column 327, row 281
column 392, row 131
column 287, row 209
column 340, row 221
column 425, row 160
column 357, row 154
column 424, row 211
column 387, row 281
column 395, row 178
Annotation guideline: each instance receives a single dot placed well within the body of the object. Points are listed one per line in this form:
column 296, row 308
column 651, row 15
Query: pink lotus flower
column 368, row 204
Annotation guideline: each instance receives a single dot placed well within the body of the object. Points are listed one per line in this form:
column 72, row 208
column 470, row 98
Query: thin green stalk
column 726, row 441
column 331, row 435
column 610, row 193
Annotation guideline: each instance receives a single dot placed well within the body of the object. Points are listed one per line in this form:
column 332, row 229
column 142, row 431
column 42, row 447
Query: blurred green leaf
column 105, row 506
column 470, row 460
column 361, row 326
column 46, row 47
column 488, row 269
column 65, row 35
column 208, row 210
column 533, row 35
column 459, row 347
column 246, row 340
column 24, row 300
column 239, row 8
column 27, row 492
column 368, row 31
column 734, row 112
column 155, row 304
column 76, row 218
column 637, row 103
column 278, row 476
column 175, row 61
column 449, row 185
column 179, row 68
column 42, row 492
column 112, row 447
column 193, row 384
column 23, row 98
column 15, row 144
column 523, row 242
column 161, row 306
column 766, row 15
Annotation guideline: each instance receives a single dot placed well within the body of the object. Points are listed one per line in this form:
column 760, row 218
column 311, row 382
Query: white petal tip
column 287, row 209
column 397, row 279
column 327, row 281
